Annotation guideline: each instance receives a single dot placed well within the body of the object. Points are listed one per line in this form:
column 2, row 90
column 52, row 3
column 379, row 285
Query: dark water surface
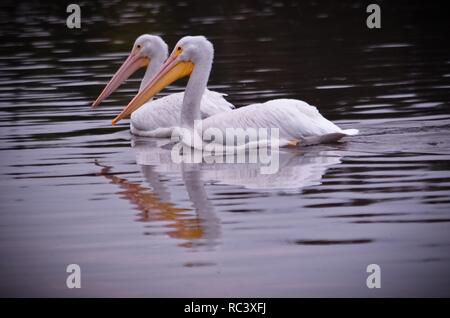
column 74, row 189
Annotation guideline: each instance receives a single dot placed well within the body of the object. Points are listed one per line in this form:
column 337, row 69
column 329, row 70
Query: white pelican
column 297, row 121
column 159, row 118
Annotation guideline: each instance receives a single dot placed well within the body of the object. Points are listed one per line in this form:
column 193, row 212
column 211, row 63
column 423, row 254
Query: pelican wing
column 214, row 103
column 157, row 117
column 295, row 119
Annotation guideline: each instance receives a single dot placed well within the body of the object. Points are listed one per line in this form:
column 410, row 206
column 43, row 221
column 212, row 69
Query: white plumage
column 297, row 121
column 159, row 117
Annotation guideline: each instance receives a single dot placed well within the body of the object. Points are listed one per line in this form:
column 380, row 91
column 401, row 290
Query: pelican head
column 193, row 49
column 148, row 51
column 189, row 53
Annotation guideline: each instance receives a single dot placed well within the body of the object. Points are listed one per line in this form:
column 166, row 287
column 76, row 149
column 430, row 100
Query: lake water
column 75, row 189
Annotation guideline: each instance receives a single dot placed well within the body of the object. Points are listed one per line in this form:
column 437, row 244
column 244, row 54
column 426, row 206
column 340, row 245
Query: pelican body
column 297, row 121
column 157, row 118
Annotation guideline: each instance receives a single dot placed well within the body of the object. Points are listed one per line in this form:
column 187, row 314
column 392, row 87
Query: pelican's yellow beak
column 172, row 70
column 134, row 62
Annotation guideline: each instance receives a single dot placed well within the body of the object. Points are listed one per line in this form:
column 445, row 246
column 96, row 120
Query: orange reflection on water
column 182, row 224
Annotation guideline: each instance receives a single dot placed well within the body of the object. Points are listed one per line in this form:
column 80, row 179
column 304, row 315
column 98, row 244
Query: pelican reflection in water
column 297, row 170
column 202, row 229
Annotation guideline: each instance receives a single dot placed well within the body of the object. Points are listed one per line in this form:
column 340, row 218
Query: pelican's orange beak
column 172, row 70
column 134, row 62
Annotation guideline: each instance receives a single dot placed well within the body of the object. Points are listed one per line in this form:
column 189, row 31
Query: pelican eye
column 179, row 49
column 138, row 46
